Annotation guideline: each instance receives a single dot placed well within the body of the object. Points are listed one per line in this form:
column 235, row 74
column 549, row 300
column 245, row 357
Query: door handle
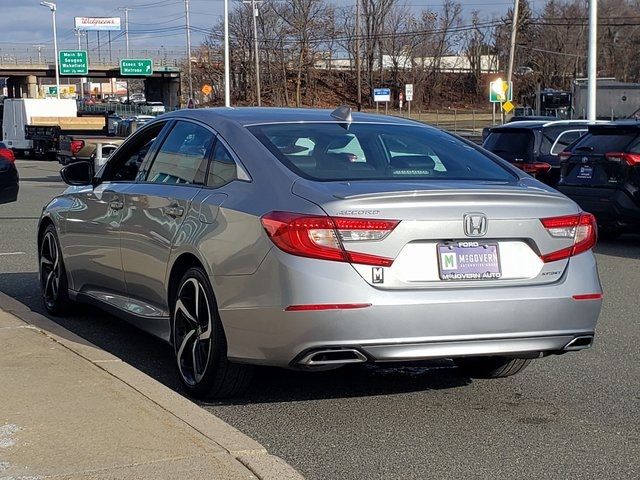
column 116, row 204
column 174, row 211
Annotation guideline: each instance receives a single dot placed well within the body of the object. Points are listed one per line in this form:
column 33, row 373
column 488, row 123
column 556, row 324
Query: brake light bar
column 323, row 237
column 631, row 159
column 582, row 228
column 534, row 167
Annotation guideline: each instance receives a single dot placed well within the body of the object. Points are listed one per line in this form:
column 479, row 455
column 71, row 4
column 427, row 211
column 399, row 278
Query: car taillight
column 582, row 228
column 76, row 146
column 564, row 156
column 7, row 154
column 324, row 237
column 535, row 168
column 632, row 159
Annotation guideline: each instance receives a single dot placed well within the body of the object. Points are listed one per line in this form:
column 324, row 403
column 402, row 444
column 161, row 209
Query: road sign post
column 408, row 94
column 136, row 67
column 382, row 95
column 73, row 62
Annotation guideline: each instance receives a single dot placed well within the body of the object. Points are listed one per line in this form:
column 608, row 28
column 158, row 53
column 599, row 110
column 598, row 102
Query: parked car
column 534, row 146
column 601, row 172
column 9, row 179
column 152, row 108
column 307, row 239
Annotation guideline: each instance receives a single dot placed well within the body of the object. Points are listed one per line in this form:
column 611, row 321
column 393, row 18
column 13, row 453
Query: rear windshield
column 334, row 152
column 603, row 142
column 515, row 144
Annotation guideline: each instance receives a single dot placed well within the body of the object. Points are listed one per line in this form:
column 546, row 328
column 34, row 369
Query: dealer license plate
column 469, row 261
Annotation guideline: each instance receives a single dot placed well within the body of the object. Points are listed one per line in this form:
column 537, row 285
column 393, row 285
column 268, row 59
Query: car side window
column 124, row 165
column 182, row 156
column 565, row 139
column 222, row 168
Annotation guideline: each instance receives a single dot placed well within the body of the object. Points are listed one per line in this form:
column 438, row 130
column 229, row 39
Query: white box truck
column 20, row 112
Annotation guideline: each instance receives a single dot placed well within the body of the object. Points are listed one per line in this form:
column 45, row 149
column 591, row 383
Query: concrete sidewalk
column 70, row 410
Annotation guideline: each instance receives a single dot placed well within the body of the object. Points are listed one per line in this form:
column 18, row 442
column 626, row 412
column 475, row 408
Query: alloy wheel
column 192, row 331
column 49, row 269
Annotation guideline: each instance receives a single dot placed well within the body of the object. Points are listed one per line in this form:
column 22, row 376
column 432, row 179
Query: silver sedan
column 312, row 239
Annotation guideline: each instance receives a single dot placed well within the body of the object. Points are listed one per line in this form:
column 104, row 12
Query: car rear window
column 516, row 144
column 605, row 141
column 358, row 151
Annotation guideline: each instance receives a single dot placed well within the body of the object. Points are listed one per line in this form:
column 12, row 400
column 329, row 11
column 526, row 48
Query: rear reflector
column 564, row 156
column 323, row 237
column 327, row 306
column 632, row 159
column 588, row 296
column 581, row 228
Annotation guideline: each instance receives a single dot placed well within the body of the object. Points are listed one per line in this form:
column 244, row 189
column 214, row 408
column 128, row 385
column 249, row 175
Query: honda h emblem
column 475, row 224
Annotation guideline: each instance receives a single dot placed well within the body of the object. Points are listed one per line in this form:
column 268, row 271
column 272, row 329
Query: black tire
column 199, row 342
column 491, row 367
column 53, row 274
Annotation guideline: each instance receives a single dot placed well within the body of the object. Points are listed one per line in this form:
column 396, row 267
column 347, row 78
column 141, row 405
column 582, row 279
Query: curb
column 251, row 454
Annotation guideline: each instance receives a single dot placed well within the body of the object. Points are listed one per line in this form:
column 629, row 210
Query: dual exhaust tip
column 341, row 356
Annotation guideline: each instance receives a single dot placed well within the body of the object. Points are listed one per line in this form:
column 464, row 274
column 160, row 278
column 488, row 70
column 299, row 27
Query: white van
column 18, row 113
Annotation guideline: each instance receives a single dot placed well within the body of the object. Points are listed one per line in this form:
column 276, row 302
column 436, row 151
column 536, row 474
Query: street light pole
column 514, row 31
column 358, row 66
column 254, row 14
column 227, row 75
column 126, row 26
column 592, row 60
column 78, row 34
column 186, row 14
column 52, row 6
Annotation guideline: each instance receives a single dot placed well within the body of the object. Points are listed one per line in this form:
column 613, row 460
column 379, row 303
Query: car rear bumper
column 609, row 205
column 397, row 325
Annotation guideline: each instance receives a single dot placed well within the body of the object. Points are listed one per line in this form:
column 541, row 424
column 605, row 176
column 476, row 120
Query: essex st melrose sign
column 131, row 66
column 73, row 62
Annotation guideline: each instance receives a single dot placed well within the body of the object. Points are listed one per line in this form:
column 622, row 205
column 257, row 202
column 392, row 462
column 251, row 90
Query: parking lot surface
column 573, row 416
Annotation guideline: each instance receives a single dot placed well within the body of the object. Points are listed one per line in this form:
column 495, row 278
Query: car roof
column 246, row 116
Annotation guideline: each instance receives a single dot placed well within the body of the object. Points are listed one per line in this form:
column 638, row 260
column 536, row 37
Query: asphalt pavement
column 572, row 416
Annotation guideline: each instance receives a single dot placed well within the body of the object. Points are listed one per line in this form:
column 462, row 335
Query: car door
column 91, row 235
column 156, row 207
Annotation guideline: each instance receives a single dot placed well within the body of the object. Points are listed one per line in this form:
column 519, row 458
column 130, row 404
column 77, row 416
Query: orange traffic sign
column 207, row 89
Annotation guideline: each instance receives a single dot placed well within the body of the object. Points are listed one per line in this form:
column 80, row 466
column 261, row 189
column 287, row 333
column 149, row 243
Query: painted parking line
column 6, row 254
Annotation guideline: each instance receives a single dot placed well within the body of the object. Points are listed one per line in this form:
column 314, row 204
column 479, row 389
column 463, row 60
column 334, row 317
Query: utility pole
column 227, row 73
column 126, row 26
column 592, row 60
column 186, row 14
column 126, row 38
column 254, row 14
column 358, row 66
column 78, row 33
column 514, row 31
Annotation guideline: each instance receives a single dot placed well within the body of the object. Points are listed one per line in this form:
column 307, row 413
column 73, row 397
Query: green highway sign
column 130, row 66
column 73, row 62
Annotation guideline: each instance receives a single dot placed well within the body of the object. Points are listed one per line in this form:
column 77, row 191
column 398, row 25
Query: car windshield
column 337, row 152
column 605, row 141
column 511, row 144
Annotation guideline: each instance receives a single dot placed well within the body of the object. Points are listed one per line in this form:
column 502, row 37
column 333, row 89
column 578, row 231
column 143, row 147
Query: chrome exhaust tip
column 332, row 356
column 579, row 343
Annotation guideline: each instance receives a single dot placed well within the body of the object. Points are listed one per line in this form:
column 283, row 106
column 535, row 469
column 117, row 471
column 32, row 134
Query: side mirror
column 78, row 173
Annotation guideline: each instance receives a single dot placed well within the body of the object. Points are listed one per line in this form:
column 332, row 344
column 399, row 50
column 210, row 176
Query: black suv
column 534, row 146
column 601, row 172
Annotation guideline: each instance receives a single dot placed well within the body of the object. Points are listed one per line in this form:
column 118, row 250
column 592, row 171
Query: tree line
column 399, row 44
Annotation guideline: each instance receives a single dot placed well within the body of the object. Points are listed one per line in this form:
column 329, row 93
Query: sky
column 153, row 24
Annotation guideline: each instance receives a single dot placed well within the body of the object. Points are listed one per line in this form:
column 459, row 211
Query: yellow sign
column 507, row 106
column 207, row 89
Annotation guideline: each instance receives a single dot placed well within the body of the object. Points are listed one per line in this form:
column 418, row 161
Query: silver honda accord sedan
column 312, row 239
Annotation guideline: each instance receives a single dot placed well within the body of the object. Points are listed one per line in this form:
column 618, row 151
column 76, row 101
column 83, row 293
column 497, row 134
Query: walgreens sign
column 97, row 23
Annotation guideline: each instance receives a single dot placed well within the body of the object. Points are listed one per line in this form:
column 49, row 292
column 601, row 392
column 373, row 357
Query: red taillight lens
column 76, row 146
column 582, row 228
column 632, row 159
column 535, row 167
column 324, row 237
column 7, row 154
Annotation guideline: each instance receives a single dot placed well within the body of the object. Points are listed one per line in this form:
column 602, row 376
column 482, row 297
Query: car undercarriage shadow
column 155, row 358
